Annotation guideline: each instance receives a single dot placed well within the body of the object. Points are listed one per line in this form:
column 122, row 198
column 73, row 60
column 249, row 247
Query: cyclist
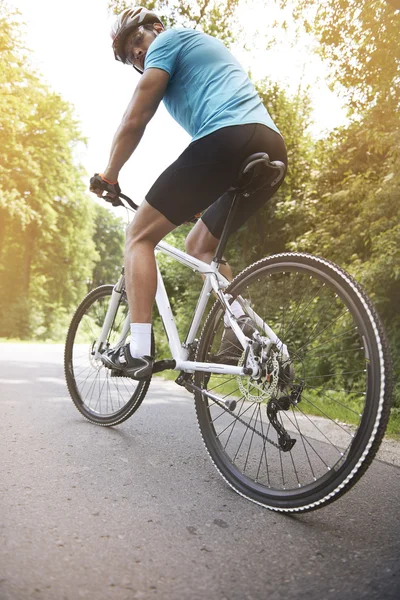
column 208, row 93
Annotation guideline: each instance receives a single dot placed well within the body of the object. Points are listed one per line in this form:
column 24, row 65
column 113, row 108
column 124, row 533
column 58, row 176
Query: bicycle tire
column 299, row 488
column 99, row 395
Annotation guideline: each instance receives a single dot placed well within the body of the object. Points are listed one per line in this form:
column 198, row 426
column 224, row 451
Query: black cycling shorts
column 208, row 167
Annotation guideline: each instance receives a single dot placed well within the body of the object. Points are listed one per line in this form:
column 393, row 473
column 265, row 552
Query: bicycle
column 298, row 419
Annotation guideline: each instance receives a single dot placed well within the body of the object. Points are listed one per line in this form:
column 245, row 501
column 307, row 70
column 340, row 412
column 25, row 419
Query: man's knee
column 133, row 234
column 133, row 238
column 149, row 226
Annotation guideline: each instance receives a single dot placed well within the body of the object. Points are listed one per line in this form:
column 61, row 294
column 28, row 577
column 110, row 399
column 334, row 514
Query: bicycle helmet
column 127, row 21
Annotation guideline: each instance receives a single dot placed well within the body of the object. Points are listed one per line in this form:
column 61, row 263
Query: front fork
column 101, row 343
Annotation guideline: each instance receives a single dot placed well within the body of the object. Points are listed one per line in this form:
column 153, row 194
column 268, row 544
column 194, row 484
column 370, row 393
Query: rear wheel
column 330, row 398
column 99, row 394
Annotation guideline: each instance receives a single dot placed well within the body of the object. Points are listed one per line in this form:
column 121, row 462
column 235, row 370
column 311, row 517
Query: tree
column 211, row 16
column 354, row 214
column 360, row 39
column 109, row 237
column 46, row 221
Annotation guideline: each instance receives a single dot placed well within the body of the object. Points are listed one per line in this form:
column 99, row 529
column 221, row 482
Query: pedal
column 163, row 365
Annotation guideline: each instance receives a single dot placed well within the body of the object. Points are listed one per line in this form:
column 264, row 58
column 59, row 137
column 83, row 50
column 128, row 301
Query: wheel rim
column 335, row 404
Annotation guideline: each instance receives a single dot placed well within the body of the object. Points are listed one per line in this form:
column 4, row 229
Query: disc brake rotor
column 259, row 390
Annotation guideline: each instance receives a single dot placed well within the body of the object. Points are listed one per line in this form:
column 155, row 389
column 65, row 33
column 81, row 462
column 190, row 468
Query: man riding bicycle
column 209, row 94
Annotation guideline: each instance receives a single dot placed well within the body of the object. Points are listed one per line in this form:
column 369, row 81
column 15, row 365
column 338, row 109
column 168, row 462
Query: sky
column 71, row 48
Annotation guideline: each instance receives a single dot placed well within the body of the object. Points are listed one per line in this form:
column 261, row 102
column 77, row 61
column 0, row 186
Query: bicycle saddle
column 258, row 166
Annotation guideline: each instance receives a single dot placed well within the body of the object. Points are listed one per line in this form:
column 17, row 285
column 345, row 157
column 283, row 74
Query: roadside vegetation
column 341, row 198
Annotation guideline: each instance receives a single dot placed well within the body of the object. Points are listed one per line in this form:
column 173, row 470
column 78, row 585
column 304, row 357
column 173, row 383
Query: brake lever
column 131, row 203
column 117, row 200
column 114, row 200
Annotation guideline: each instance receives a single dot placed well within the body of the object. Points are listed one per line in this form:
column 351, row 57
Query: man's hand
column 99, row 185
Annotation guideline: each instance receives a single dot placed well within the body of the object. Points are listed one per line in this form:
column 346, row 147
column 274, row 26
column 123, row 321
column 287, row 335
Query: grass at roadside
column 393, row 428
column 311, row 407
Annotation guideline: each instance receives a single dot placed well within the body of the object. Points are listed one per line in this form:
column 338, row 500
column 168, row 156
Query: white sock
column 237, row 311
column 140, row 344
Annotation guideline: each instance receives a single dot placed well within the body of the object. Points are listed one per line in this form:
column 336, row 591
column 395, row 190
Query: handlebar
column 116, row 200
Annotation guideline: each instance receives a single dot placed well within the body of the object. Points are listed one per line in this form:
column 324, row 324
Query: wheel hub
column 95, row 363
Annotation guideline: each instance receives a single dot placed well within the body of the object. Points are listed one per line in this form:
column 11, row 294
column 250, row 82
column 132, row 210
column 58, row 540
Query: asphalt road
column 138, row 511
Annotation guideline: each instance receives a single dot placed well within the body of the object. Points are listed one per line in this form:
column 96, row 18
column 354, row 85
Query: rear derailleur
column 285, row 442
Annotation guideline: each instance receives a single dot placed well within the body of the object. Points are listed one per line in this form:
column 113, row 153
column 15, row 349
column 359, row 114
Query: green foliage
column 353, row 216
column 109, row 238
column 211, row 16
column 46, row 222
column 360, row 39
column 353, row 211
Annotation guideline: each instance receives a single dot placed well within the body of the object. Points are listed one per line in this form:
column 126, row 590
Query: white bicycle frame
column 215, row 282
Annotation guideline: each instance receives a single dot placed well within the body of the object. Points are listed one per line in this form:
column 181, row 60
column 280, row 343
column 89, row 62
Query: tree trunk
column 30, row 238
column 3, row 218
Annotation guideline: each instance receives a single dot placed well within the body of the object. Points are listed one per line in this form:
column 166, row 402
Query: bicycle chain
column 264, row 437
column 226, row 409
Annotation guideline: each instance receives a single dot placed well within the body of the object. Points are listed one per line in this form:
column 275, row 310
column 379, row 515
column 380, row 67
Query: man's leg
column 143, row 234
column 201, row 244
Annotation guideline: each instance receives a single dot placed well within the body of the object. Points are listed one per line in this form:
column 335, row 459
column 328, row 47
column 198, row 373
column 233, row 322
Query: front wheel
column 302, row 433
column 101, row 395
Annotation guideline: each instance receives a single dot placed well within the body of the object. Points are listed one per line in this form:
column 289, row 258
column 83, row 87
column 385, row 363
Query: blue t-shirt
column 207, row 89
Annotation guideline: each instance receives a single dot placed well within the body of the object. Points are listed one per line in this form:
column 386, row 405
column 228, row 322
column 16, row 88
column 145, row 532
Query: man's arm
column 145, row 100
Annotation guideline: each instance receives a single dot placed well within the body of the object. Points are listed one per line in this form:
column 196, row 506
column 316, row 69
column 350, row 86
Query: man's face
column 137, row 44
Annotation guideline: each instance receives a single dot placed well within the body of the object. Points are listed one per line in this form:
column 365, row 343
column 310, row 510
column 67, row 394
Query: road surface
column 138, row 511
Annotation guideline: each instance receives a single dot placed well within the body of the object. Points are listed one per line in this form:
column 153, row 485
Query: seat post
column 226, row 230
